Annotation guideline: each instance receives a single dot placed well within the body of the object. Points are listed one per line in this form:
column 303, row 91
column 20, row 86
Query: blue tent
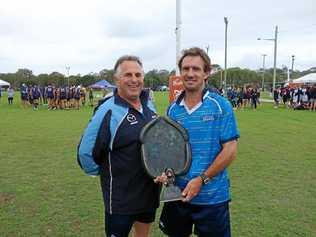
column 103, row 84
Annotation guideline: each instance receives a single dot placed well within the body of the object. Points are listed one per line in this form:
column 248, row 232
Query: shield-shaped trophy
column 166, row 148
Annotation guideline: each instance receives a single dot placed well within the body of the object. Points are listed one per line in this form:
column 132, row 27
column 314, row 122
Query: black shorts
column 120, row 225
column 177, row 219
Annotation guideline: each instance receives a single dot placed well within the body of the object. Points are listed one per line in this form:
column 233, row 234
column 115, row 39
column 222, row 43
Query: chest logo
column 208, row 118
column 131, row 118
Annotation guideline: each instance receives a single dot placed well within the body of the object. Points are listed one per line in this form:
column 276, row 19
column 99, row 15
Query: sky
column 88, row 36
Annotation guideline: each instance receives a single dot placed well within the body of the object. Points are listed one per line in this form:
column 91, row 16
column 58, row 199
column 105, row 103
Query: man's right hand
column 192, row 189
column 161, row 179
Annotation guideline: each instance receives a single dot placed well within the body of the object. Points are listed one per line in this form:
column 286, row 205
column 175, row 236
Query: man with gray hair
column 110, row 147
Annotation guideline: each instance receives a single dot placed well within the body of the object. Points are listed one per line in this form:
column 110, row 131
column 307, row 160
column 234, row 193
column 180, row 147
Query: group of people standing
column 110, row 148
column 244, row 97
column 296, row 97
column 63, row 97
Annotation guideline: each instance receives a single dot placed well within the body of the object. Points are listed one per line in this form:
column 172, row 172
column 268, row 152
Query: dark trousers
column 10, row 100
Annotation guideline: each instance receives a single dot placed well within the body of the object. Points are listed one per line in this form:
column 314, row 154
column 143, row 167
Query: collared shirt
column 110, row 147
column 210, row 124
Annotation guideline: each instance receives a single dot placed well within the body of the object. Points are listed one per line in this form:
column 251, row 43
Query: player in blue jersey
column 49, row 94
column 24, row 95
column 63, row 97
column 35, row 96
column 209, row 119
column 110, row 147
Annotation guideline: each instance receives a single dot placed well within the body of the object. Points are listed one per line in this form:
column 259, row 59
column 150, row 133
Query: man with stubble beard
column 210, row 122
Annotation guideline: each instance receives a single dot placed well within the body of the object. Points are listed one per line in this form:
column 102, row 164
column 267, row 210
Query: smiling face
column 129, row 80
column 193, row 74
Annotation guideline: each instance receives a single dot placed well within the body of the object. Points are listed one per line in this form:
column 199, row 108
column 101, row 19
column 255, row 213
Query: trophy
column 165, row 148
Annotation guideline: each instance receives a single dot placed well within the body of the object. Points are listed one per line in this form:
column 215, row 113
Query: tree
column 87, row 80
column 24, row 75
column 58, row 79
column 236, row 77
column 107, row 75
column 43, row 79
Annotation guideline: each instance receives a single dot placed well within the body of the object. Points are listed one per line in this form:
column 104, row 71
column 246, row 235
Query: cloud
column 90, row 35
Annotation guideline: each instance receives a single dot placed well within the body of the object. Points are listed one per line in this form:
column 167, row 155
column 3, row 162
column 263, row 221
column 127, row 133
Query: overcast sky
column 88, row 36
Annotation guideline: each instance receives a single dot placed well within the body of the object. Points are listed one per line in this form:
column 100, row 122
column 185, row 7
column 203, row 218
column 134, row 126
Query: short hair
column 195, row 51
column 127, row 58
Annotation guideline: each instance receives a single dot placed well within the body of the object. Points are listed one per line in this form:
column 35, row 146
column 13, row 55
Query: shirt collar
column 144, row 95
column 181, row 96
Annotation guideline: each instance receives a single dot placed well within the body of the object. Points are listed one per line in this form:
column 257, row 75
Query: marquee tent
column 103, row 84
column 309, row 78
column 4, row 83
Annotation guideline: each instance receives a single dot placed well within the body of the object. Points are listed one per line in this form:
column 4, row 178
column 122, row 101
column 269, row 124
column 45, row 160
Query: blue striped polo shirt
column 209, row 124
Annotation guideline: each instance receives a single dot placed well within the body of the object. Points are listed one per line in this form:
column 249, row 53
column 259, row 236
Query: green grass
column 43, row 192
column 266, row 95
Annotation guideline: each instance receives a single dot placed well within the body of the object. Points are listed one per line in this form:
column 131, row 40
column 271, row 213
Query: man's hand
column 161, row 179
column 192, row 189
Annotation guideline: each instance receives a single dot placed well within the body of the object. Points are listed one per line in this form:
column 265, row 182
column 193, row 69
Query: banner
column 175, row 87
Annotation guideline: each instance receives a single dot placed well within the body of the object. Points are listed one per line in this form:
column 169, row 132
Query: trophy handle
column 170, row 192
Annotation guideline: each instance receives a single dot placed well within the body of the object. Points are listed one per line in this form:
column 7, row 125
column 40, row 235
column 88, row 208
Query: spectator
column 312, row 106
column 10, row 95
column 91, row 97
column 254, row 98
column 276, row 96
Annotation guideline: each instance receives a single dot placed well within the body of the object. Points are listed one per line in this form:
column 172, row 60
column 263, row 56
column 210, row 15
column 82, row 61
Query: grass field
column 266, row 95
column 43, row 192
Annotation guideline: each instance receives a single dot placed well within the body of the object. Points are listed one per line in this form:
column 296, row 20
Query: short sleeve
column 228, row 130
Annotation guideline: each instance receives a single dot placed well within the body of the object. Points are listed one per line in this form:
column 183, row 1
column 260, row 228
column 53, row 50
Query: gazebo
column 103, row 84
column 4, row 83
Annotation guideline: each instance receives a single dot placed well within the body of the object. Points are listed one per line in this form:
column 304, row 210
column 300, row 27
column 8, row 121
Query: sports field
column 43, row 192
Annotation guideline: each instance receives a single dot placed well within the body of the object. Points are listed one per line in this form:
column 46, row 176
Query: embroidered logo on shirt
column 132, row 119
column 208, row 118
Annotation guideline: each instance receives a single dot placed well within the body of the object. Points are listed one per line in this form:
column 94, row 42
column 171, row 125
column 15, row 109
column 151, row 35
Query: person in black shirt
column 276, row 94
column 91, row 97
column 254, row 98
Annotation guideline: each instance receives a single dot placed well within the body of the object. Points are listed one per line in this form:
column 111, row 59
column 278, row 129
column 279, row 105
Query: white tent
column 309, row 78
column 4, row 83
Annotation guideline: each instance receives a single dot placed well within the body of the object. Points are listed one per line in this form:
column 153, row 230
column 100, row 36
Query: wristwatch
column 205, row 179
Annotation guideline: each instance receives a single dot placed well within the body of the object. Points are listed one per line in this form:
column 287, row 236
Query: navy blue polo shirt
column 110, row 147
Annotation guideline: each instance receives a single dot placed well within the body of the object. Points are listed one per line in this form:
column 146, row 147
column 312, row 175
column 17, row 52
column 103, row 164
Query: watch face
column 205, row 179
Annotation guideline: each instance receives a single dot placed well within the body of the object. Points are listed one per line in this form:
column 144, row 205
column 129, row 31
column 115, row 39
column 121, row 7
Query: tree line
column 236, row 77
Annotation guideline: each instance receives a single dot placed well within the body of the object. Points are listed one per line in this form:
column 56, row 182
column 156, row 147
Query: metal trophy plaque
column 165, row 148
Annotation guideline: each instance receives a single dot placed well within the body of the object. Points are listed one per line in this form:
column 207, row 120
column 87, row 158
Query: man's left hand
column 192, row 189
